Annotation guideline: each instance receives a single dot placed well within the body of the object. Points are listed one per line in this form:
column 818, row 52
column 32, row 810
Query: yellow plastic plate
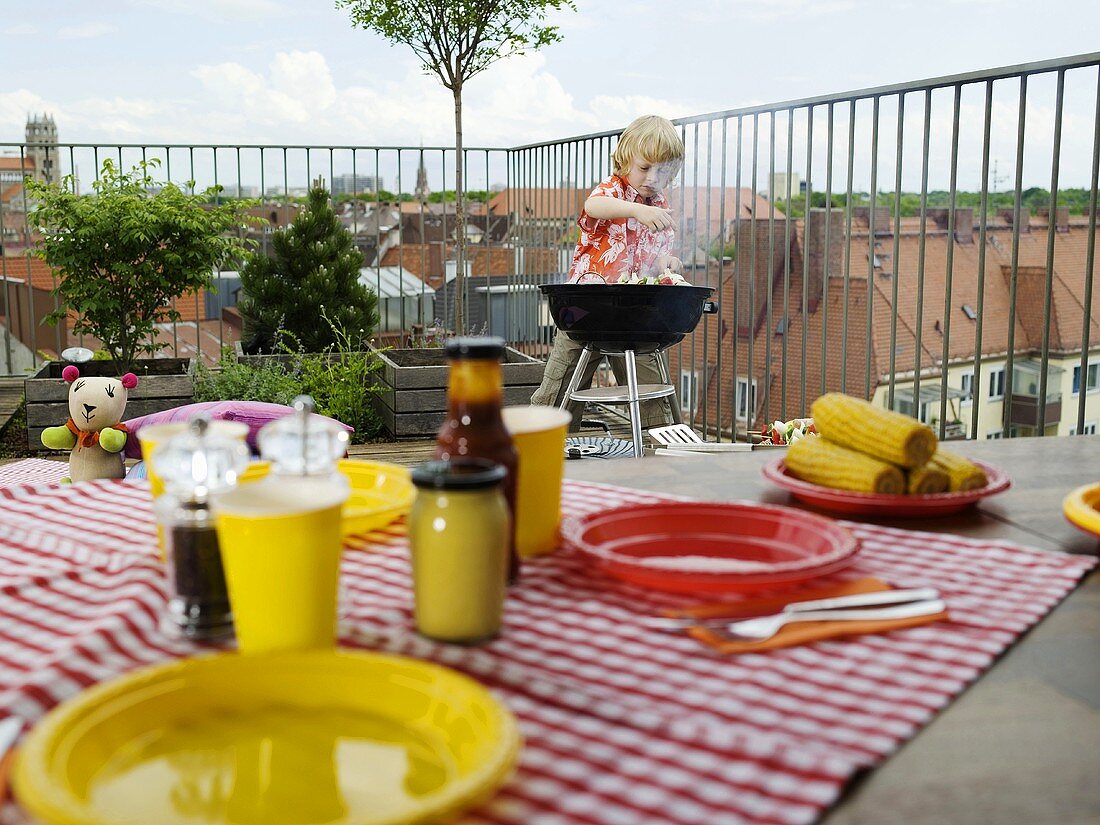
column 337, row 737
column 380, row 492
column 1082, row 508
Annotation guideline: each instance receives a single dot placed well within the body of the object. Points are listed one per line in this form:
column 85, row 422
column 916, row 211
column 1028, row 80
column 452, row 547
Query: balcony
column 938, row 234
column 1029, row 409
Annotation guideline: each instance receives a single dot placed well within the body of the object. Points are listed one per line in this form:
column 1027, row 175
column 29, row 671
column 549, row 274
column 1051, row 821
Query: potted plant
column 122, row 254
column 313, row 273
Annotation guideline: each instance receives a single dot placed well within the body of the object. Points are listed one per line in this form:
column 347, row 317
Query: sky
column 291, row 72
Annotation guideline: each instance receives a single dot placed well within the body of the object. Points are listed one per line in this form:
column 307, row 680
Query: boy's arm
column 603, row 208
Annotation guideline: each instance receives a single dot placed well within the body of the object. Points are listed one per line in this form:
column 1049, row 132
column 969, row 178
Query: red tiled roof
column 729, row 203
column 858, row 359
column 539, row 203
column 11, row 163
column 15, row 268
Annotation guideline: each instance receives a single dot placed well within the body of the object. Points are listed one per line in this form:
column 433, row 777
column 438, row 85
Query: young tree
column 125, row 251
column 310, row 287
column 455, row 40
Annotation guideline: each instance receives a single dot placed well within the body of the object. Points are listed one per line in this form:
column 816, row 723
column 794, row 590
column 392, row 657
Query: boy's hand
column 653, row 217
column 670, row 262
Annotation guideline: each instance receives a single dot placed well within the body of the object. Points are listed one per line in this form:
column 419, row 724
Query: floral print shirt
column 609, row 250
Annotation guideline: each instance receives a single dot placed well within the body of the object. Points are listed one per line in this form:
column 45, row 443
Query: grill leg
column 575, row 379
column 634, row 404
column 673, row 400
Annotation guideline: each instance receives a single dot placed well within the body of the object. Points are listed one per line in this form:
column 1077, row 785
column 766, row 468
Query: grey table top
column 1021, row 745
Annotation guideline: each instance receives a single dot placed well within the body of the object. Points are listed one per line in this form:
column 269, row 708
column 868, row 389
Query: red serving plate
column 880, row 504
column 693, row 547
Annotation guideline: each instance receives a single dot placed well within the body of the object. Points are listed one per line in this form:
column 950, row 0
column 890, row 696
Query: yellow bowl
column 380, row 492
column 341, row 737
column 1082, row 508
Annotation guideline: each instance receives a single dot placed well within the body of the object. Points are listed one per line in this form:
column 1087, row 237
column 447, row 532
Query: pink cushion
column 253, row 413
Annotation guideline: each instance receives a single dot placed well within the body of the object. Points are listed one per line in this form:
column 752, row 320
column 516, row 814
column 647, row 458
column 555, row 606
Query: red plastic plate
column 691, row 547
column 881, row 505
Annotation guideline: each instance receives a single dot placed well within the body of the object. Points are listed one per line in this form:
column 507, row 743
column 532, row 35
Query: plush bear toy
column 94, row 431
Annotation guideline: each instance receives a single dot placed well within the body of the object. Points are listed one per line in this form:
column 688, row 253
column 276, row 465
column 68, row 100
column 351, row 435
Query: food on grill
column 886, row 435
column 666, row 278
column 785, row 432
column 926, row 479
column 823, row 462
column 961, row 473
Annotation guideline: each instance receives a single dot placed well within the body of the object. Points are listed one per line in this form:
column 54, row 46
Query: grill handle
column 710, row 307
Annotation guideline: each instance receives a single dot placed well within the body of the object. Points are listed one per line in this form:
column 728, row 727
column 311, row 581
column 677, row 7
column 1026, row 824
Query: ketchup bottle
column 474, row 426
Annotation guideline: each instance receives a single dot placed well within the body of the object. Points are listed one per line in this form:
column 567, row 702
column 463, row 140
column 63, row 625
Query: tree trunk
column 460, row 222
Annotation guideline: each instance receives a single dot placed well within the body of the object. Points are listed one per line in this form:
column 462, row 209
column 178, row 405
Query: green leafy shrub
column 123, row 252
column 341, row 382
column 315, row 264
column 272, row 382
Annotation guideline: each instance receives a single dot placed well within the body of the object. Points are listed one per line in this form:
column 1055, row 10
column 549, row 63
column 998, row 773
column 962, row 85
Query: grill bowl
column 617, row 317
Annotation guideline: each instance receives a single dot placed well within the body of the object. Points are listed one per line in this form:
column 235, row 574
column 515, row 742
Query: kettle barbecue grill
column 626, row 319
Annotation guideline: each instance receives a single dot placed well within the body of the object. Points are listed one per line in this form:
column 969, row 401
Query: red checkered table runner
column 622, row 724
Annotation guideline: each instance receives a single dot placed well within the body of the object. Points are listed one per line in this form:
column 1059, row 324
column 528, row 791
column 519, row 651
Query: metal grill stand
column 632, row 395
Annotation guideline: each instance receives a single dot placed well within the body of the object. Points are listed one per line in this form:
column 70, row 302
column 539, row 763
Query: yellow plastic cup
column 156, row 434
column 539, row 436
column 281, row 540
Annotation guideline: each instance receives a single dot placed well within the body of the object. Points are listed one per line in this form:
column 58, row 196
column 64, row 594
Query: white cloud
column 86, row 31
column 298, row 99
column 21, row 29
column 218, row 9
column 14, row 107
column 765, row 10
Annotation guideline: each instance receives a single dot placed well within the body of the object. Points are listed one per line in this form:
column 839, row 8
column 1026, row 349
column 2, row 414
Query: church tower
column 41, row 142
column 422, row 191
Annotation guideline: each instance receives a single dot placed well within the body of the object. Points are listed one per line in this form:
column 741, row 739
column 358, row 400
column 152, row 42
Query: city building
column 355, row 183
column 825, row 322
column 41, row 140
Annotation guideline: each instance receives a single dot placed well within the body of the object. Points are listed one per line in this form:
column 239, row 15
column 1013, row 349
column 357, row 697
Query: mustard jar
column 459, row 534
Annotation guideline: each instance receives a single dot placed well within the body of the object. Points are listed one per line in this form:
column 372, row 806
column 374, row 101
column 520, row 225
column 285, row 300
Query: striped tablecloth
column 622, row 724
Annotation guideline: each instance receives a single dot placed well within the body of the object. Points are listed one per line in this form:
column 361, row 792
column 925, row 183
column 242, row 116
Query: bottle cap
column 475, row 347
column 198, row 462
column 303, row 444
column 458, row 474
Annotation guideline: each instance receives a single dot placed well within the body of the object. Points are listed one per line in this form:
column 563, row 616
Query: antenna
column 996, row 180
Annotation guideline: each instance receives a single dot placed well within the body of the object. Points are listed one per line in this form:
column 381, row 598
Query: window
column 1092, row 378
column 1088, row 429
column 689, row 388
column 746, row 400
column 969, row 312
column 995, row 434
column 997, row 383
column 966, row 381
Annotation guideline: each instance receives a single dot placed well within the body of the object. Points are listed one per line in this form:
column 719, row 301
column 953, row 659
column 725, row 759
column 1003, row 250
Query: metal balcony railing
column 909, row 241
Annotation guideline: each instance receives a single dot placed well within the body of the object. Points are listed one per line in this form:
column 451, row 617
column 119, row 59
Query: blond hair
column 651, row 138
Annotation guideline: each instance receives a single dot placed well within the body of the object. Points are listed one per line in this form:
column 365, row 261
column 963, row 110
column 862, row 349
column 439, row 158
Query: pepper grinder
column 194, row 465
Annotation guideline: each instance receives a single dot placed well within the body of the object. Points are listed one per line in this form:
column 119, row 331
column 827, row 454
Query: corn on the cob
column 820, row 461
column 859, row 425
column 926, row 479
column 961, row 474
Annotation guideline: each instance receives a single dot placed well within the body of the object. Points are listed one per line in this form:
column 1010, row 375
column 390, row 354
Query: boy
column 626, row 232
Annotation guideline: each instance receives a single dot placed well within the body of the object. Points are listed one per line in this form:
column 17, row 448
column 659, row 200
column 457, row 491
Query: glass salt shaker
column 194, row 465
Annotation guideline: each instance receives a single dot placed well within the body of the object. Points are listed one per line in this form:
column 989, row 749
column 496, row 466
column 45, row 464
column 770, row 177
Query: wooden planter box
column 163, row 383
column 412, row 401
